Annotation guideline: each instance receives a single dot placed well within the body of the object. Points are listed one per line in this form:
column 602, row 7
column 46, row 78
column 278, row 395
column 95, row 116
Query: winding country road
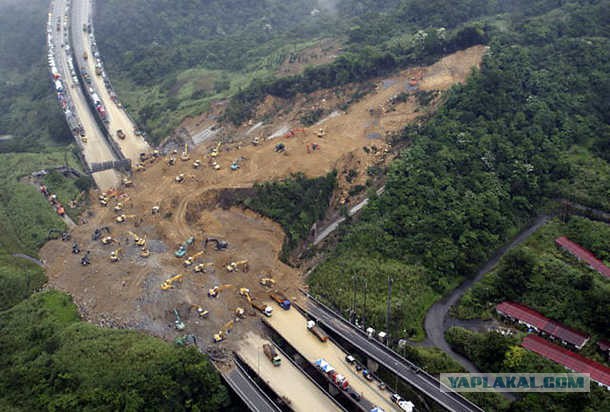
column 437, row 319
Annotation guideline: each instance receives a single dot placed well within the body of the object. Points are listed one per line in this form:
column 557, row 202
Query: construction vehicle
column 196, row 164
column 169, row 283
column 119, row 206
column 107, row 240
column 216, row 151
column 267, row 282
column 85, row 55
column 123, row 218
column 184, row 247
column 180, row 178
column 171, row 161
column 315, row 329
column 201, row 311
column 60, row 210
column 120, row 134
column 271, row 354
column 56, row 234
column 280, row 147
column 235, row 266
column 156, row 210
column 191, row 259
column 261, row 307
column 213, row 293
column 220, row 244
column 115, row 255
column 179, row 325
column 127, row 182
column 145, row 253
column 185, row 154
column 320, row 133
column 202, row 267
column 312, row 147
column 240, row 313
column 140, row 167
column 85, row 259
column 186, row 340
column 226, row 329
column 139, row 241
column 75, row 248
column 281, row 300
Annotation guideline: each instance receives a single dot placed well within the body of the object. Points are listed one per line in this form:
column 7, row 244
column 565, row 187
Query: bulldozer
column 201, row 311
column 267, row 282
column 180, row 178
column 225, row 330
column 115, row 255
column 169, row 283
column 123, row 218
column 213, row 293
column 197, row 164
column 139, row 241
column 235, row 266
column 191, row 259
column 202, row 267
column 155, row 210
column 185, row 156
column 178, row 324
column 220, row 244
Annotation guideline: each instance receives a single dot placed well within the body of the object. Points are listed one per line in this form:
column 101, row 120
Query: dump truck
column 281, row 300
column 271, row 354
column 316, row 330
column 261, row 307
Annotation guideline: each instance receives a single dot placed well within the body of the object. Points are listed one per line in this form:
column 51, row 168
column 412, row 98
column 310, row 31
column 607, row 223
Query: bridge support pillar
column 332, row 389
column 371, row 365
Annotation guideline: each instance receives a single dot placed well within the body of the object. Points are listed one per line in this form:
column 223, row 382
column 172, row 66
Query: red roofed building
column 540, row 323
column 583, row 254
column 573, row 361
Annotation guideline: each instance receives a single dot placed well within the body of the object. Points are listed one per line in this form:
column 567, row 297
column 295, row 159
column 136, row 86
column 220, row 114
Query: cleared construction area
column 286, row 380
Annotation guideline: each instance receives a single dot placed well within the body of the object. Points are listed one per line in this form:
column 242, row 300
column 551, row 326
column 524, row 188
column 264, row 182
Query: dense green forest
column 501, row 144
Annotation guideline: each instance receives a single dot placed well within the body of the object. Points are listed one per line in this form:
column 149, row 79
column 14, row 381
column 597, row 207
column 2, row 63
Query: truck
column 271, row 354
column 264, row 309
column 120, row 134
column 85, row 55
column 281, row 300
column 339, row 380
column 316, row 330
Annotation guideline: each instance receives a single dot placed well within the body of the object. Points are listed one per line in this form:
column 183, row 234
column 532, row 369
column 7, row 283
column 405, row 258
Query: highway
column 248, row 391
column 404, row 369
column 96, row 149
column 132, row 145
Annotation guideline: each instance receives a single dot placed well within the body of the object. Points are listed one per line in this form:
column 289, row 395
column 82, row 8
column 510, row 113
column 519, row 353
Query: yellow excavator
column 236, row 266
column 202, row 267
column 201, row 311
column 226, row 329
column 213, row 293
column 169, row 283
column 139, row 241
column 145, row 253
column 191, row 259
column 185, row 154
column 107, row 240
column 119, row 206
column 216, row 151
column 240, row 313
column 115, row 255
column 123, row 218
column 268, row 282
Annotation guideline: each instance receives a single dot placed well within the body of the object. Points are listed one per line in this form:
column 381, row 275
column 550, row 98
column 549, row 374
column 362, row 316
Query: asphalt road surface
column 404, row 369
column 248, row 391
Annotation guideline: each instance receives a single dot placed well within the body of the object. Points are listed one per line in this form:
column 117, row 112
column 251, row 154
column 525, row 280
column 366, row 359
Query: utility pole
column 364, row 306
column 387, row 314
column 354, row 299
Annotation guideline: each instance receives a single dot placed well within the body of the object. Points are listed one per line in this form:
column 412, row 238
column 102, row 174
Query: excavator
column 115, row 255
column 171, row 161
column 220, row 244
column 185, row 154
column 123, row 218
column 56, row 234
column 180, row 178
column 240, row 313
column 197, row 164
column 235, row 266
column 178, row 322
column 119, row 206
column 145, row 253
column 213, row 293
column 107, row 240
column 184, row 247
column 267, row 282
column 75, row 248
column 191, row 259
column 169, row 283
column 201, row 311
column 155, row 210
column 139, row 241
column 127, row 182
column 202, row 267
column 225, row 330
column 216, row 151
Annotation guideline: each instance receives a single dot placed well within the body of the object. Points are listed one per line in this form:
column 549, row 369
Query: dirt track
column 127, row 293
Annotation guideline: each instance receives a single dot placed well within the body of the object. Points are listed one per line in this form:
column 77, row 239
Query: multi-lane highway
column 132, row 145
column 404, row 369
column 96, row 149
column 248, row 391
